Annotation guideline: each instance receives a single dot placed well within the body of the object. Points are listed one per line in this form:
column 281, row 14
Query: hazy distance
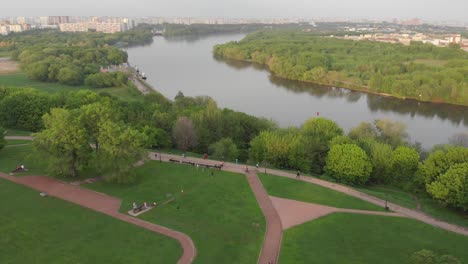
column 450, row 10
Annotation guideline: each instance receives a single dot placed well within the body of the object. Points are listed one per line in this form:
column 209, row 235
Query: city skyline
column 430, row 10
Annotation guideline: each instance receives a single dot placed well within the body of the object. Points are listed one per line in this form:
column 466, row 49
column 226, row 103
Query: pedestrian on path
column 298, row 174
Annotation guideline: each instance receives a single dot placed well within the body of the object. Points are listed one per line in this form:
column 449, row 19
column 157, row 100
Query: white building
column 4, row 30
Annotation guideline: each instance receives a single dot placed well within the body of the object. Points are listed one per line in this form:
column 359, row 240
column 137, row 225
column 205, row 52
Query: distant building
column 457, row 39
column 57, row 20
column 4, row 30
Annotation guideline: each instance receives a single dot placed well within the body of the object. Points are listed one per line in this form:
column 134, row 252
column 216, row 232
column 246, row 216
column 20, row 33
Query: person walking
column 298, row 175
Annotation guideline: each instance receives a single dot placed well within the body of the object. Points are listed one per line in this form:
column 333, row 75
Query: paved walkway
column 274, row 230
column 334, row 186
column 102, row 203
column 293, row 213
column 18, row 137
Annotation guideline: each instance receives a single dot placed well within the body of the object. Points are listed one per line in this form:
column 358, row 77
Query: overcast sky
column 379, row 9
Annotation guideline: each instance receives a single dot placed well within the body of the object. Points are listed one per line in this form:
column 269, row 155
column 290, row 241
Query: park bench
column 139, row 208
column 174, row 160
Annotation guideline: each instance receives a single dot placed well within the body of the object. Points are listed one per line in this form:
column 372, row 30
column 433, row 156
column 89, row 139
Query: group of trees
column 65, row 142
column 188, row 123
column 73, row 58
column 420, row 71
column 371, row 153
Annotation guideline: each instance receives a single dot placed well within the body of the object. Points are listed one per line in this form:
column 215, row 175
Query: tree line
column 371, row 153
column 419, row 71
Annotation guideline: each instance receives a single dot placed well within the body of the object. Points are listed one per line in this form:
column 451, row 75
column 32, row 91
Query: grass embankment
column 12, row 132
column 49, row 230
column 428, row 205
column 219, row 213
column 352, row 238
column 307, row 192
column 20, row 80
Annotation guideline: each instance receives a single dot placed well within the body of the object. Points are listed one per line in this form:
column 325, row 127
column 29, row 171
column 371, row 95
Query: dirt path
column 334, row 186
column 274, row 230
column 18, row 138
column 8, row 66
column 102, row 203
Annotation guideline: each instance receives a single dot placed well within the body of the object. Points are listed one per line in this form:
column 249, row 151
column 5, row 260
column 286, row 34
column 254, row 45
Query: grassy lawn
column 219, row 213
column 307, row 192
column 12, row 132
column 392, row 195
column 21, row 80
column 17, row 142
column 429, row 206
column 352, row 238
column 438, row 211
column 49, row 230
column 25, row 155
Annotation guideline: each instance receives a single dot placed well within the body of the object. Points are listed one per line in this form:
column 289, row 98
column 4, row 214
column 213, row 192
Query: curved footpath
column 104, row 204
column 334, row 186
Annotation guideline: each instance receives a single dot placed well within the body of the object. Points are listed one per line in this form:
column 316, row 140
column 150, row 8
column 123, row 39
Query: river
column 187, row 65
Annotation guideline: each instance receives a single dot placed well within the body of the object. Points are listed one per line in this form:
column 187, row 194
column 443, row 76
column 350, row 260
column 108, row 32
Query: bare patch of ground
column 8, row 66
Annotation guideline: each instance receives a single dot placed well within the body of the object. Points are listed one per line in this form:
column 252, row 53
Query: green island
column 417, row 71
column 88, row 124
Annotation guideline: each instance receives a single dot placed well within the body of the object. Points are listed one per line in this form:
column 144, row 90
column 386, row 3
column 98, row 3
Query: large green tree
column 2, row 138
column 348, row 163
column 405, row 162
column 224, row 149
column 121, row 147
column 452, row 186
column 63, row 142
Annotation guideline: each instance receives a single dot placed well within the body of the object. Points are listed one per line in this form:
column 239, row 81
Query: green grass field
column 21, row 155
column 12, row 132
column 17, row 142
column 219, row 213
column 307, row 192
column 48, row 230
column 392, row 195
column 355, row 239
column 22, row 81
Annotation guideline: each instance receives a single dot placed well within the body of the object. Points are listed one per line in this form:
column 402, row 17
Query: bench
column 139, row 208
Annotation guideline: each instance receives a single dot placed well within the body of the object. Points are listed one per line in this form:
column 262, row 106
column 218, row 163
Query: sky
column 435, row 10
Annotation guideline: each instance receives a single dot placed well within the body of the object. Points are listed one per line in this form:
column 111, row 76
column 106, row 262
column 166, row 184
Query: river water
column 187, row 65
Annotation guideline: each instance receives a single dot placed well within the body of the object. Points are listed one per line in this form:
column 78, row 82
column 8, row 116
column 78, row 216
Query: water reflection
column 457, row 115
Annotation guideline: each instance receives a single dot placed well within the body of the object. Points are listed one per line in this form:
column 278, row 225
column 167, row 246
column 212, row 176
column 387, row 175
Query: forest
column 73, row 58
column 418, row 71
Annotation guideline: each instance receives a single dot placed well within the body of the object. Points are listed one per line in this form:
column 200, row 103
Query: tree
column 2, row 138
column 429, row 257
column 121, row 148
column 24, row 109
column 452, row 186
column 405, row 162
column 184, row 133
column 424, row 257
column 93, row 116
column 363, row 130
column 316, row 134
column 381, row 156
column 63, row 142
column 70, row 75
column 224, row 149
column 391, row 132
column 348, row 163
column 440, row 161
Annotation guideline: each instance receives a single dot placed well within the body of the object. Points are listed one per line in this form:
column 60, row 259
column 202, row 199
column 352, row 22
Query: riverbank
column 347, row 85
